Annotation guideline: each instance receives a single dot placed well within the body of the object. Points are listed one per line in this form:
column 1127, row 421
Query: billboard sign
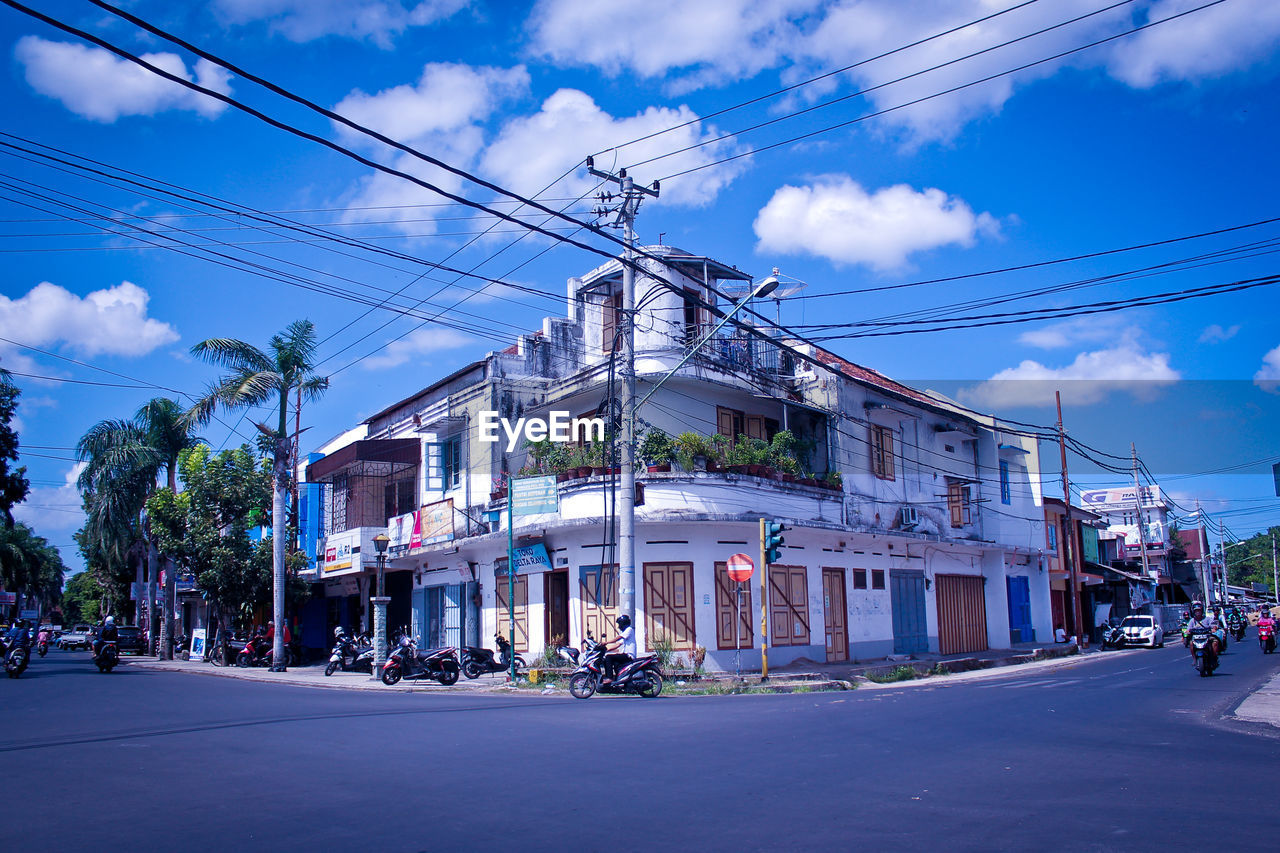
column 341, row 554
column 415, row 530
column 1109, row 499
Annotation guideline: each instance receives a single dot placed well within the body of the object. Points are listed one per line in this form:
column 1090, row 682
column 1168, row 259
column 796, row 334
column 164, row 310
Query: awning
column 1085, row 578
column 402, row 451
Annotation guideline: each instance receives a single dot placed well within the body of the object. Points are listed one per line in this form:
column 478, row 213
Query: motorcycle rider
column 19, row 635
column 625, row 642
column 107, row 633
column 1199, row 621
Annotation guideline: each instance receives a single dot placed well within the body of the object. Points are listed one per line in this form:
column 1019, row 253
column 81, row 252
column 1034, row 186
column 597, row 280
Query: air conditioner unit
column 908, row 517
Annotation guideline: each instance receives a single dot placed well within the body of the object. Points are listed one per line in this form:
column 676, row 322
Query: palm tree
column 123, row 461
column 256, row 378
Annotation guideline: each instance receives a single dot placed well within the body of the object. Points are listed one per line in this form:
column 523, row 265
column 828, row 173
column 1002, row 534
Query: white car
column 1142, row 631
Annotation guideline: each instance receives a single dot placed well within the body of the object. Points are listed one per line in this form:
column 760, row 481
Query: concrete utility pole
column 1205, row 562
column 1137, row 504
column 1068, row 544
column 1222, row 556
column 1275, row 580
column 629, row 204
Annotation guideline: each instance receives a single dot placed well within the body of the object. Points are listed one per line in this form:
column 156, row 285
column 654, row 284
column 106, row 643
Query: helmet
column 624, row 622
column 110, row 620
column 1197, row 607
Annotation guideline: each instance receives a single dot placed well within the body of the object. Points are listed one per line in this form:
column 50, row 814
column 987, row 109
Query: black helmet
column 624, row 622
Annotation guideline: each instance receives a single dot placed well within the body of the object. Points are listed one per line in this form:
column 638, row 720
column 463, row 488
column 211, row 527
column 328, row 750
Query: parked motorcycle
column 1203, row 655
column 1267, row 638
column 409, row 663
column 641, row 676
column 349, row 654
column 568, row 654
column 1112, row 636
column 258, row 652
column 476, row 661
column 108, row 656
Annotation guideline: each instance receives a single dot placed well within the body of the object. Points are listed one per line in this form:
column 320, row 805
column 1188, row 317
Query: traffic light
column 772, row 540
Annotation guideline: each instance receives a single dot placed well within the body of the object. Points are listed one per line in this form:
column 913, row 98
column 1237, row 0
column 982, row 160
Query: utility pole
column 1222, row 557
column 1068, row 544
column 1137, row 505
column 628, row 204
column 1205, row 557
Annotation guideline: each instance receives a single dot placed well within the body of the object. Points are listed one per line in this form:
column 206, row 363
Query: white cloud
column 530, row 152
column 1089, row 379
column 710, row 40
column 104, row 322
column 447, row 97
column 1209, row 43
column 1217, row 334
column 304, row 20
column 1094, row 329
column 1268, row 376
column 835, row 218
column 94, row 84
column 54, row 512
column 418, row 343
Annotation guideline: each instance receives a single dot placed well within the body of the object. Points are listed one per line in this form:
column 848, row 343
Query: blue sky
column 1156, row 135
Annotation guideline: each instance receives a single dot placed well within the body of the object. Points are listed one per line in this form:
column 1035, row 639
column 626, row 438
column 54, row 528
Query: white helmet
column 111, row 620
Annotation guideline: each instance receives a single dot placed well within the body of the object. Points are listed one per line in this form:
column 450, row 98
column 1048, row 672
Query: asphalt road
column 1124, row 751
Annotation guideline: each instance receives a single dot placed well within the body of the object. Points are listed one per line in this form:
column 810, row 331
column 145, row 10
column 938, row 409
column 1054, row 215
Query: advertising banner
column 1109, row 499
column 427, row 526
column 197, row 644
column 341, row 554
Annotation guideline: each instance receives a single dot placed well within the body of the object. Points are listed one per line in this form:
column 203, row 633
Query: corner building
column 920, row 528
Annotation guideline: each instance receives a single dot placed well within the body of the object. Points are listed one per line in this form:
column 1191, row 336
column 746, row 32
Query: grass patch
column 898, row 673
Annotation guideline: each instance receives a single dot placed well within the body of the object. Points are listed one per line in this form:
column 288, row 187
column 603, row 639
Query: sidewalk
column 1263, row 705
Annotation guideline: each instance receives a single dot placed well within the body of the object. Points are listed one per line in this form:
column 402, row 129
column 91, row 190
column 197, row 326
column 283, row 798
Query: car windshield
column 1137, row 622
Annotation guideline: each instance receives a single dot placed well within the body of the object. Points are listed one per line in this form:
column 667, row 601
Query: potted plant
column 595, row 458
column 834, row 480
column 657, row 450
column 692, row 451
column 718, row 448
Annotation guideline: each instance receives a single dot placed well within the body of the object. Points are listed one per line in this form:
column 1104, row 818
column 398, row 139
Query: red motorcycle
column 1267, row 638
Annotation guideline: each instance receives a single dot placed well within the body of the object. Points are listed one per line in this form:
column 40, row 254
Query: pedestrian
column 1059, row 635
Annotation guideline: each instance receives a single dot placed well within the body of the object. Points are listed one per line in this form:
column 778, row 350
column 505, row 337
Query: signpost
column 741, row 568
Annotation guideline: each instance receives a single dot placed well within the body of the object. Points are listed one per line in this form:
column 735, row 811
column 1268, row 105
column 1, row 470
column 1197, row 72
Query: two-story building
column 914, row 523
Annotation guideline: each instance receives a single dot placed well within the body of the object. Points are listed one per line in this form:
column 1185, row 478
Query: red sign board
column 741, row 567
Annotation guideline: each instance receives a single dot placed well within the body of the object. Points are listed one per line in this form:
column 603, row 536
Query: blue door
column 1020, row 630
column 910, row 634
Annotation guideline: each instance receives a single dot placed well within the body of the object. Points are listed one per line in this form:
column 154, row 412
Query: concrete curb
column 1262, row 705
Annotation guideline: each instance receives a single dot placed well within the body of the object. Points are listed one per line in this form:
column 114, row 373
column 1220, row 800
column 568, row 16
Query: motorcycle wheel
column 331, row 668
column 448, row 676
column 520, row 664
column 243, row 659
column 653, row 687
column 471, row 669
column 391, row 675
column 582, row 685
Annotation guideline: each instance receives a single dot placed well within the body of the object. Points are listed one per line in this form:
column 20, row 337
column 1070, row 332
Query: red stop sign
column 741, row 567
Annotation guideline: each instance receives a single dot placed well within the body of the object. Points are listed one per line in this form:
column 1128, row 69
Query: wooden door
column 788, row 606
column 598, row 593
column 910, row 633
column 556, row 597
column 962, row 614
column 834, row 618
column 668, row 604
column 502, row 583
column 733, row 597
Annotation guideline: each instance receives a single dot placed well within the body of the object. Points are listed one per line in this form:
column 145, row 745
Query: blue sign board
column 534, row 495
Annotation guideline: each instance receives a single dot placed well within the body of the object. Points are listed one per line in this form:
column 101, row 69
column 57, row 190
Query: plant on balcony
column 657, row 450
column 834, row 480
column 719, row 445
column 782, row 454
column 692, row 451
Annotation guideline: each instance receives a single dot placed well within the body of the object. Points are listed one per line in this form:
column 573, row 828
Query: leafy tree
column 82, row 599
column 256, row 378
column 13, row 482
column 30, row 565
column 1251, row 562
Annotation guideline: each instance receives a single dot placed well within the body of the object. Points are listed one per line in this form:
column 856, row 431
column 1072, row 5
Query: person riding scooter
column 1200, row 622
column 625, row 642
column 106, row 634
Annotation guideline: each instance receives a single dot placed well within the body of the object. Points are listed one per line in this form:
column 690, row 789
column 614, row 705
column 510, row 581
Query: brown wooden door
column 788, row 606
column 668, row 604
column 501, row 585
column 556, row 594
column 962, row 614
column 598, row 593
column 835, row 615
column 727, row 603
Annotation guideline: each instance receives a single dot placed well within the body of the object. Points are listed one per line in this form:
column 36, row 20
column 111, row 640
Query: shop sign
column 530, row 559
column 342, row 553
column 427, row 526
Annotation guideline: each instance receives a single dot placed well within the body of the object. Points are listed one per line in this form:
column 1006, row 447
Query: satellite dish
column 775, row 286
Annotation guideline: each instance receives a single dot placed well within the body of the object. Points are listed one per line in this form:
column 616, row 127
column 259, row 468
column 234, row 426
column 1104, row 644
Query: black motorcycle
column 16, row 659
column 641, row 677
column 1203, row 655
column 350, row 655
column 407, row 662
column 476, row 662
column 108, row 656
column 1112, row 637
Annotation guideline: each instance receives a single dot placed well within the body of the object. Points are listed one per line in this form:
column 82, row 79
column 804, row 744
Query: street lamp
column 380, row 543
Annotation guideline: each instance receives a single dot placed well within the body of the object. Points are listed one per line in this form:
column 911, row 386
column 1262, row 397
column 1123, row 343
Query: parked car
column 79, row 637
column 130, row 640
column 1142, row 631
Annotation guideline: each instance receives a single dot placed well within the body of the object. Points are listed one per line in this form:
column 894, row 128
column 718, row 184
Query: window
column 612, row 310
column 877, row 578
column 1006, row 495
column 731, row 423
column 451, row 461
column 958, row 503
column 692, row 317
column 882, row 452
column 727, row 604
column 399, row 497
column 859, row 578
column 1052, row 530
column 788, row 606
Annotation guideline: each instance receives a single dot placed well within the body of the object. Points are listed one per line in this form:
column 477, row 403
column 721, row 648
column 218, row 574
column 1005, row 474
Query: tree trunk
column 279, row 499
column 166, row 623
column 153, row 618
